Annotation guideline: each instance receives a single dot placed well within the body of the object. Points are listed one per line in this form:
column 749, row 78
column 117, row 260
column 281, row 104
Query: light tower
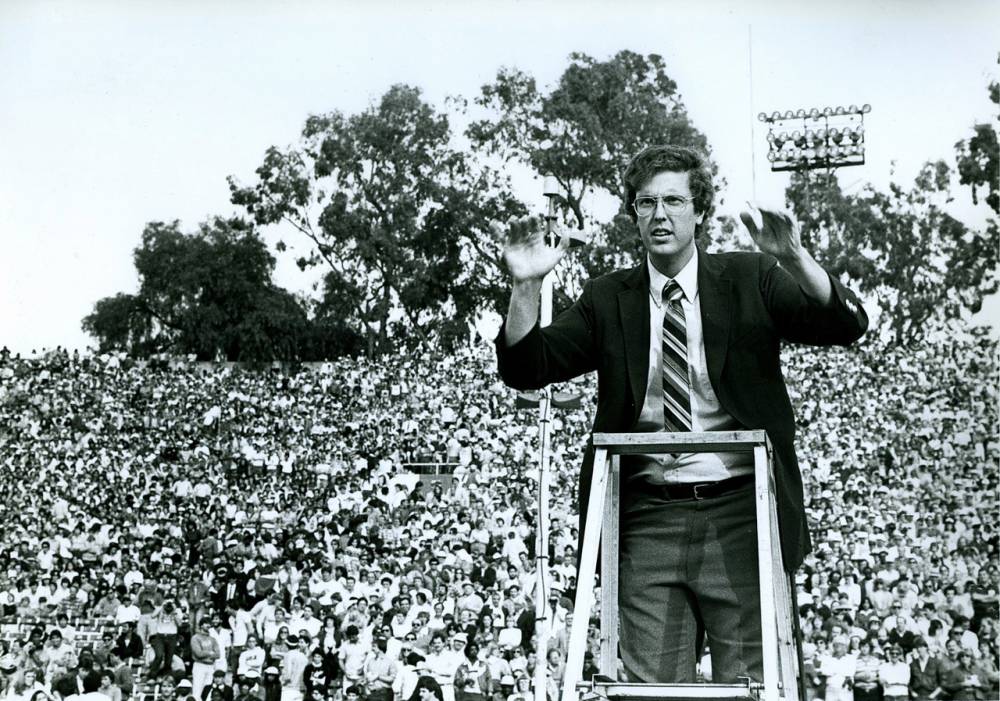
column 813, row 139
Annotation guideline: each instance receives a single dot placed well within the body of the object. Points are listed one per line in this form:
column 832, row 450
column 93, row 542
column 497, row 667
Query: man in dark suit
column 229, row 590
column 684, row 341
column 926, row 672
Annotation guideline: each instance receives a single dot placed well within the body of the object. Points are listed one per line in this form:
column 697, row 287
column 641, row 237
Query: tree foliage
column 583, row 131
column 979, row 158
column 395, row 213
column 901, row 247
column 209, row 294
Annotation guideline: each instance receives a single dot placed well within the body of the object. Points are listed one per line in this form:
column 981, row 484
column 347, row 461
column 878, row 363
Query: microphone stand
column 542, row 611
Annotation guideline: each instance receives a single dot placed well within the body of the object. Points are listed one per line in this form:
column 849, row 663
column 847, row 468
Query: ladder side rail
column 609, row 572
column 768, row 613
column 585, row 578
column 788, row 650
column 797, row 635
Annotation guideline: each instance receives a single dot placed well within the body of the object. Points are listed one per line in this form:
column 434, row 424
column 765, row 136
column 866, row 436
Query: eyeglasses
column 645, row 205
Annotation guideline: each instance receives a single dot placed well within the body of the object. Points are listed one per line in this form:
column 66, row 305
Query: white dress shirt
column 706, row 412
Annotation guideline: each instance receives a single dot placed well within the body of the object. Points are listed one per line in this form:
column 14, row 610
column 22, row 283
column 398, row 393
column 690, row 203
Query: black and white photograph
column 499, row 350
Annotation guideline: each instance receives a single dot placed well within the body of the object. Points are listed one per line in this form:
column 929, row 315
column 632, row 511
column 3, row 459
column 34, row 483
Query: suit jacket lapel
column 714, row 290
column 633, row 310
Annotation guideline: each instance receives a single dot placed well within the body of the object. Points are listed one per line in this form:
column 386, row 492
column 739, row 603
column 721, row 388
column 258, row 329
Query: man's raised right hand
column 526, row 252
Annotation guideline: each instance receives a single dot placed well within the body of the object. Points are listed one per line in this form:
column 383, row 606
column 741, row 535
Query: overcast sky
column 114, row 114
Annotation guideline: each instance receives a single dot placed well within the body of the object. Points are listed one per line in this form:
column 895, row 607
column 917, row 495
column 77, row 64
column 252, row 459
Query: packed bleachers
column 220, row 532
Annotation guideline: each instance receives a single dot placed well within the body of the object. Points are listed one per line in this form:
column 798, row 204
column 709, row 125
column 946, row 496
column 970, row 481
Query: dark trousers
column 383, row 694
column 688, row 569
column 163, row 646
column 863, row 694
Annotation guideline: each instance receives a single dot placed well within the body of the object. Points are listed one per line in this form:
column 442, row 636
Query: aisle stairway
column 88, row 634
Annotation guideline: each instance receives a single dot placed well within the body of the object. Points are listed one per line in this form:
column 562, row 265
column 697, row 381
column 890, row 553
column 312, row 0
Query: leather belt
column 699, row 490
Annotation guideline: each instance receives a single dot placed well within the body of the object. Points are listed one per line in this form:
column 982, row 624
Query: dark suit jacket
column 924, row 681
column 240, row 598
column 749, row 305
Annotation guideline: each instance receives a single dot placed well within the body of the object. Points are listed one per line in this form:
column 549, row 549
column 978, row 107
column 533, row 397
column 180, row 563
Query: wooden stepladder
column 781, row 680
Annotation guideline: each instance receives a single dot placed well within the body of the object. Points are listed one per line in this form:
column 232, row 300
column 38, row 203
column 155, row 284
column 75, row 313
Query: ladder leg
column 769, row 632
column 609, row 573
column 781, row 664
column 585, row 578
column 797, row 635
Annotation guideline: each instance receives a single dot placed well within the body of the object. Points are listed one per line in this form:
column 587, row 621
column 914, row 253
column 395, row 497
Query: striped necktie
column 676, row 387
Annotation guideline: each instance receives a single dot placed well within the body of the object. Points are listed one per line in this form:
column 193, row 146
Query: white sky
column 113, row 114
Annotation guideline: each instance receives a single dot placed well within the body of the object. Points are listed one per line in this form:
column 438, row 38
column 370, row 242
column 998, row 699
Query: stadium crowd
column 218, row 533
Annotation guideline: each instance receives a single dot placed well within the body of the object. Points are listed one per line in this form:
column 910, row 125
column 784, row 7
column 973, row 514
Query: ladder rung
column 715, row 692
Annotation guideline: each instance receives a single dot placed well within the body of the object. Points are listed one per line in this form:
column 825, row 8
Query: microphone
column 550, row 189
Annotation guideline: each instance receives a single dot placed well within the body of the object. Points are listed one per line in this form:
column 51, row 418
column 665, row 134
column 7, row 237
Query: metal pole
column 542, row 527
column 753, row 154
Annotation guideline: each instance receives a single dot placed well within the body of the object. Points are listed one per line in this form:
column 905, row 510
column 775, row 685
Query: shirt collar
column 687, row 278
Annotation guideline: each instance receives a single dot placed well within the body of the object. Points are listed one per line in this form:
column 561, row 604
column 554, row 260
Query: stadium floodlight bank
column 833, row 137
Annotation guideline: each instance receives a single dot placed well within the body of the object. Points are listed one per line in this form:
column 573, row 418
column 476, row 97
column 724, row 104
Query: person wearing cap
column 293, row 666
column 251, row 686
column 185, row 690
column 127, row 612
column 505, row 688
column 271, row 682
column 838, row 668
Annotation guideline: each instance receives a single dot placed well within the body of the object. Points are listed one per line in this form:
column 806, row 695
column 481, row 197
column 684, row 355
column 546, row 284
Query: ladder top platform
column 676, row 692
column 707, row 442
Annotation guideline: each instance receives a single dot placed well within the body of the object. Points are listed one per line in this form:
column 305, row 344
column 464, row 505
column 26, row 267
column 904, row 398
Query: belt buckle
column 694, row 491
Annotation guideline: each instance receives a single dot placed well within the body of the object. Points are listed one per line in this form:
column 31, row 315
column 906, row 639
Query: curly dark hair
column 675, row 159
column 429, row 683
